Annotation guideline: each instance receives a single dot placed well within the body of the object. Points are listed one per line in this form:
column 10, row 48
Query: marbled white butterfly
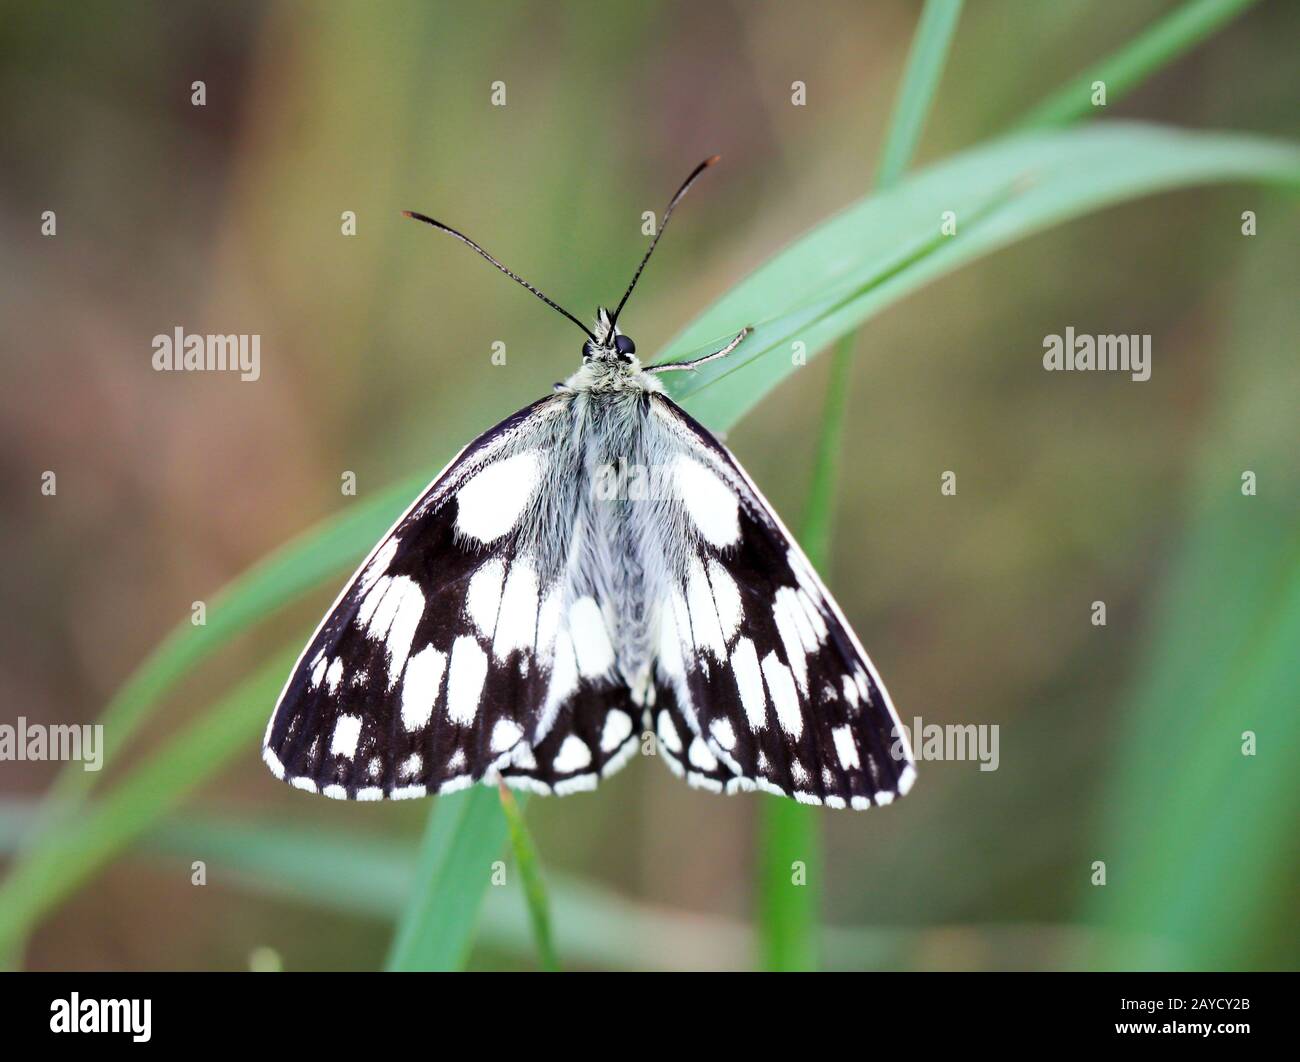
column 596, row 564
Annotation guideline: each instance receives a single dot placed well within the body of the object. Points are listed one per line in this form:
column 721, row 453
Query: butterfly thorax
column 609, row 362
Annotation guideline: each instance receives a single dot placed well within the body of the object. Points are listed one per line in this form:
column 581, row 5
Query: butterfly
column 594, row 571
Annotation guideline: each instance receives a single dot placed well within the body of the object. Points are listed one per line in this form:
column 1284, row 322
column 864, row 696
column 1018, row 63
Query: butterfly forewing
column 450, row 646
column 762, row 683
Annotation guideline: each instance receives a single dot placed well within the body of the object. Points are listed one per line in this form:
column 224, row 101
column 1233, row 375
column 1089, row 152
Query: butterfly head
column 608, row 343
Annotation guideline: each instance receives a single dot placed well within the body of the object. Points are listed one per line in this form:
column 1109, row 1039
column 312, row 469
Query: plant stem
column 790, row 840
column 529, row 867
column 1131, row 65
column 463, row 839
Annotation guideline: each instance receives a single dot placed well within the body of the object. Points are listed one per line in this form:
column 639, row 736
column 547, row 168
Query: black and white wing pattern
column 761, row 683
column 460, row 650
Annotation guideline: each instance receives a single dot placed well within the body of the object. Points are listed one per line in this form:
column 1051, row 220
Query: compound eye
column 624, row 345
column 587, row 349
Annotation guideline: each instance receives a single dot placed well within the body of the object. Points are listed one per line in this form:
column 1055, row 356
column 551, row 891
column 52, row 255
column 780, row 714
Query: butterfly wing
column 762, row 683
column 450, row 654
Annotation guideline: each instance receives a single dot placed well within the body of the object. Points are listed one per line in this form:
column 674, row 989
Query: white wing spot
column 723, row 733
column 590, row 638
column 576, row 784
column 712, row 505
column 378, row 565
column 318, row 672
column 846, row 748
column 573, row 755
column 618, row 726
column 420, row 686
column 744, row 664
column 701, row 757
column 393, row 618
column 505, row 734
column 517, row 618
column 273, row 761
column 727, row 597
column 668, row 733
column 564, row 671
column 814, row 615
column 850, row 691
column 483, row 598
column 794, row 605
column 410, row 767
column 465, row 679
column 548, row 623
column 347, row 730
column 785, row 699
column 704, row 614
column 785, row 609
column 334, row 675
column 491, row 503
column 671, row 639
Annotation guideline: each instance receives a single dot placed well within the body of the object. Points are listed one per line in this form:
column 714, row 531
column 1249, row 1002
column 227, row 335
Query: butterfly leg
column 696, row 363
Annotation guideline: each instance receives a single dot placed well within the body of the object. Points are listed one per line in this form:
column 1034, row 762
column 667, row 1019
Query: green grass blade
column 1143, row 56
column 790, row 884
column 60, row 860
column 925, row 63
column 331, row 547
column 819, row 513
column 889, row 245
column 462, row 841
column 529, row 867
column 358, row 874
column 789, row 832
column 1198, row 838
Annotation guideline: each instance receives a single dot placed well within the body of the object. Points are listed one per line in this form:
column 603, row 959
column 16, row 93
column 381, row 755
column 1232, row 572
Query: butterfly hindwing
column 756, row 660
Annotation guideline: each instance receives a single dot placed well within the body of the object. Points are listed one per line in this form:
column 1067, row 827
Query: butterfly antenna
column 686, row 184
column 513, row 276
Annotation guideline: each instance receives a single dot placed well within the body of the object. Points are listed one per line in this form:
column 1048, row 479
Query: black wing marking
column 759, row 671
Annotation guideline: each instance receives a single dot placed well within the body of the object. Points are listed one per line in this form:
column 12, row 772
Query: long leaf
column 462, row 842
column 789, row 833
column 353, row 874
column 1193, row 879
column 1152, row 50
column 530, row 874
column 888, row 246
column 66, row 857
